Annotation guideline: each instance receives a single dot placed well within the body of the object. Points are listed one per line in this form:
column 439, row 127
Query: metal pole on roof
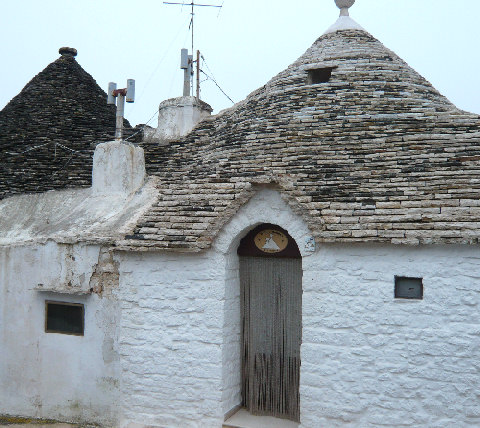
column 186, row 66
column 119, row 117
column 118, row 97
column 198, row 75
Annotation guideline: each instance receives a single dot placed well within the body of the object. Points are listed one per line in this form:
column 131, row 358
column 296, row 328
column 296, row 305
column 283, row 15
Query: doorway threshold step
column 243, row 419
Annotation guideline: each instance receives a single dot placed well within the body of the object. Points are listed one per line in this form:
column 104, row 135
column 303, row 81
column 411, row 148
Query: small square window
column 65, row 318
column 408, row 288
column 319, row 75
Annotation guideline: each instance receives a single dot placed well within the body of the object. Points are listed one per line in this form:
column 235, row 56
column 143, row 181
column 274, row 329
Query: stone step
column 243, row 419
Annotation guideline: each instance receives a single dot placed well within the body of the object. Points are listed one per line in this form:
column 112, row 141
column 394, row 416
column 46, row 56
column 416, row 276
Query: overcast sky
column 245, row 43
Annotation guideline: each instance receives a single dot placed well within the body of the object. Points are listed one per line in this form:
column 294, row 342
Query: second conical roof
column 48, row 132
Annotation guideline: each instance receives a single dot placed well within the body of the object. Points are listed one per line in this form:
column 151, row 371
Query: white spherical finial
column 344, row 5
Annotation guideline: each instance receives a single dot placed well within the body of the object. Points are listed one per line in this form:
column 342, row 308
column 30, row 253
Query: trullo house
column 308, row 258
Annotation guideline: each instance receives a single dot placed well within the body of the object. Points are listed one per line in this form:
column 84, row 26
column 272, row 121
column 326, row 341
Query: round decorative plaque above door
column 268, row 240
column 271, row 241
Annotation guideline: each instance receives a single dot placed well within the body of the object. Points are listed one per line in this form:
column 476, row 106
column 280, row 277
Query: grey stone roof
column 48, row 132
column 375, row 154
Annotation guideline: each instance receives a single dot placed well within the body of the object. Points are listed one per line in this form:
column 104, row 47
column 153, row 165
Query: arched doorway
column 271, row 313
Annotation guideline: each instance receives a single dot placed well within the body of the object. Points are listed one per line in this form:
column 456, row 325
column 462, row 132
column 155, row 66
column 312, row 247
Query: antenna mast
column 189, row 69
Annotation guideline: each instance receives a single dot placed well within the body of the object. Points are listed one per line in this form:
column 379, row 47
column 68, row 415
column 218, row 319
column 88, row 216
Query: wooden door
column 271, row 304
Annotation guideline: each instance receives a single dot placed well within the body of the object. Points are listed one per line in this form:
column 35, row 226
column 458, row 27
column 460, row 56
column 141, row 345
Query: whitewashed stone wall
column 367, row 358
column 49, row 375
column 231, row 368
column 171, row 339
column 371, row 360
column 181, row 314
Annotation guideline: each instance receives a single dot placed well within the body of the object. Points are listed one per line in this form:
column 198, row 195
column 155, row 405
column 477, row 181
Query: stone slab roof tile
column 48, row 132
column 376, row 154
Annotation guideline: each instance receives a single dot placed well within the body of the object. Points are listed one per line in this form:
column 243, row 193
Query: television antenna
column 192, row 13
column 187, row 60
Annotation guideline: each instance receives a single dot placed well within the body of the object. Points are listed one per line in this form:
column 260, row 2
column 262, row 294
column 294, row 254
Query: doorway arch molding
column 265, row 206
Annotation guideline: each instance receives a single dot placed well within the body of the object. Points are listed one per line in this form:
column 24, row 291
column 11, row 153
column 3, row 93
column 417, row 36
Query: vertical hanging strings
column 271, row 330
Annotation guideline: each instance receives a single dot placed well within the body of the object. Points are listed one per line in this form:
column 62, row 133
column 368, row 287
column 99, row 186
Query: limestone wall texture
column 171, row 340
column 50, row 375
column 369, row 359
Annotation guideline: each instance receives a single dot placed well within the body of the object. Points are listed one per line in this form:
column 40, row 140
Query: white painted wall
column 181, row 313
column 371, row 360
column 367, row 359
column 73, row 215
column 231, row 351
column 51, row 375
column 171, row 339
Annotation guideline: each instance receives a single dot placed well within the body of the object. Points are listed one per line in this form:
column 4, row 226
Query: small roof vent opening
column 319, row 75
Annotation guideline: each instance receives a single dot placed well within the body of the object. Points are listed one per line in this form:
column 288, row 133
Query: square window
column 319, row 75
column 408, row 288
column 65, row 318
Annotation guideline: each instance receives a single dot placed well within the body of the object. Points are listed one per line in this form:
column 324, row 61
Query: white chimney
column 118, row 167
column 177, row 117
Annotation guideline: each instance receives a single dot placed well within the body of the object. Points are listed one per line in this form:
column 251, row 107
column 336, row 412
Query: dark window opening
column 66, row 318
column 319, row 75
column 408, row 288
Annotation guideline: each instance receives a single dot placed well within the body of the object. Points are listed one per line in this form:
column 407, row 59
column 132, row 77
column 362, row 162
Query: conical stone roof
column 374, row 154
column 48, row 132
